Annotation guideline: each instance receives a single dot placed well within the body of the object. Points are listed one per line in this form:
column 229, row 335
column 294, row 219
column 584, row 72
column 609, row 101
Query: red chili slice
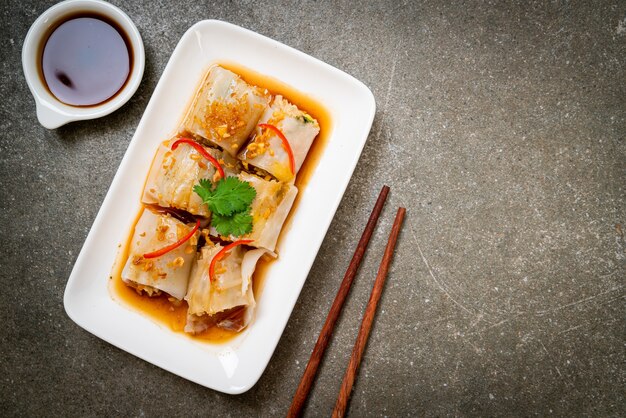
column 202, row 151
column 286, row 146
column 167, row 249
column 222, row 253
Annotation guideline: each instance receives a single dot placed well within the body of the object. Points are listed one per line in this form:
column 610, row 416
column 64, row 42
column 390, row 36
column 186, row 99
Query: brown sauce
column 173, row 316
column 86, row 60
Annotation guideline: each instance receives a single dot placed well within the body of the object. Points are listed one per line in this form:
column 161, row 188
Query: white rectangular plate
column 232, row 367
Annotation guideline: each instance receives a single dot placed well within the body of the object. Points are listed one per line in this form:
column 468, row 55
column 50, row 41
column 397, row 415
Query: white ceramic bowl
column 52, row 113
column 235, row 366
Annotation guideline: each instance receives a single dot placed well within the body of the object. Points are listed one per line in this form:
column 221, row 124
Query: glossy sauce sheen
column 86, row 61
column 173, row 316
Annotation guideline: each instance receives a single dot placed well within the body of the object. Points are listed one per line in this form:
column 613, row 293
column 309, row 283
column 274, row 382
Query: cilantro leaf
column 236, row 225
column 204, row 189
column 230, row 203
column 230, row 195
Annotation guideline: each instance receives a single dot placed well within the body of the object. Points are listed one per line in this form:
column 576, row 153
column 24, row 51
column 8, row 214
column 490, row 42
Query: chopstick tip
column 384, row 191
column 400, row 215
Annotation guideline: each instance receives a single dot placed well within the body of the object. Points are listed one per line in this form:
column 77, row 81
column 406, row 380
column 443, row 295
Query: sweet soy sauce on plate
column 86, row 60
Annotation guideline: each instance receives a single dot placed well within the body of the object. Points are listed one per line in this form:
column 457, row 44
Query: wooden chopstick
column 322, row 341
column 368, row 318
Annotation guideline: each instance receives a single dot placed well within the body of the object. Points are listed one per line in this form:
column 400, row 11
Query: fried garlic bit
column 176, row 263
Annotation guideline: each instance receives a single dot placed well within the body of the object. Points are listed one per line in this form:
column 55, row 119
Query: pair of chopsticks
column 366, row 324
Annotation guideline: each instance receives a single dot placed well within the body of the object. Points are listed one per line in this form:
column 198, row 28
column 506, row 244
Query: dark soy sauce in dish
column 86, row 60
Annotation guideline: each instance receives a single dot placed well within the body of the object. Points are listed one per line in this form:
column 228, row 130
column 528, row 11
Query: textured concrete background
column 500, row 127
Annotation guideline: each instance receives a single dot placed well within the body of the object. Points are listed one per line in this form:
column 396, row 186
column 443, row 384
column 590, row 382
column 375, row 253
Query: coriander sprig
column 230, row 201
column 236, row 225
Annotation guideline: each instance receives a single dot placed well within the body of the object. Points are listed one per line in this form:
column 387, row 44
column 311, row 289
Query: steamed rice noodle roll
column 226, row 110
column 267, row 150
column 169, row 272
column 269, row 211
column 226, row 300
column 175, row 172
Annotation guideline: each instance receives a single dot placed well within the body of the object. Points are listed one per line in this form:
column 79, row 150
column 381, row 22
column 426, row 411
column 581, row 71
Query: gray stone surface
column 499, row 126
